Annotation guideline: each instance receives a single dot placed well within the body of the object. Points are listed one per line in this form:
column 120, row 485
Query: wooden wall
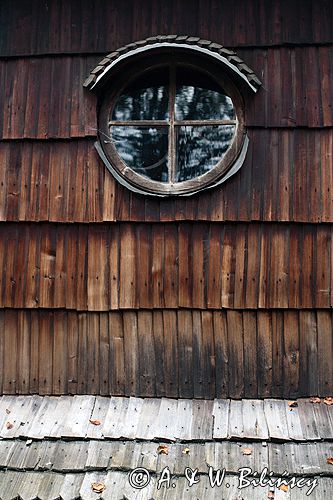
column 227, row 293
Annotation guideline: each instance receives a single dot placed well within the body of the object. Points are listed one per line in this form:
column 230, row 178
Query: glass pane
column 147, row 98
column 144, row 150
column 198, row 97
column 199, row 149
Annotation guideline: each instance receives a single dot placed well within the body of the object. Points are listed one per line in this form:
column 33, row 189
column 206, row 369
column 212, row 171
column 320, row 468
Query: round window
column 172, row 124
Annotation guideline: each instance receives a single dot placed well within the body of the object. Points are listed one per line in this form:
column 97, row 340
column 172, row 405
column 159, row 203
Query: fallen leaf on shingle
column 271, row 494
column 315, row 400
column 246, row 451
column 292, row 404
column 163, row 449
column 328, row 401
column 95, row 422
column 283, row 487
column 330, row 460
column 186, row 451
column 98, row 487
column 7, row 411
column 9, row 425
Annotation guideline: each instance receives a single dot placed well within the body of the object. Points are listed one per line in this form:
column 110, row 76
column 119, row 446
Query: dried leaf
column 7, row 411
column 9, row 425
column 98, row 487
column 292, row 404
column 246, row 451
column 186, row 451
column 328, row 401
column 163, row 449
column 315, row 400
column 271, row 494
column 95, row 422
column 330, row 460
column 283, row 487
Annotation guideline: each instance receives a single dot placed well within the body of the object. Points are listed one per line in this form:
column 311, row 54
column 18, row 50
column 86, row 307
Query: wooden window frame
column 131, row 71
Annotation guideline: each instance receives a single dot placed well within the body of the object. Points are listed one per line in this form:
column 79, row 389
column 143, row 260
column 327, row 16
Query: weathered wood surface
column 40, row 107
column 36, row 274
column 46, row 365
column 80, row 456
column 105, row 418
column 232, row 23
column 78, row 483
column 64, row 181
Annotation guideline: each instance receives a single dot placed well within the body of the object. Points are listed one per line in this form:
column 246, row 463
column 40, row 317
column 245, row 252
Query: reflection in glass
column 199, row 149
column 143, row 149
column 196, row 103
column 199, row 97
column 146, row 98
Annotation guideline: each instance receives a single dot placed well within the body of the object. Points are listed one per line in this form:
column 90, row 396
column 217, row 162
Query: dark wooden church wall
column 224, row 294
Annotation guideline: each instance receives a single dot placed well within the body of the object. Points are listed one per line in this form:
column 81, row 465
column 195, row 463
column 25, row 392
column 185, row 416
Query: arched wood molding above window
column 171, row 114
column 225, row 56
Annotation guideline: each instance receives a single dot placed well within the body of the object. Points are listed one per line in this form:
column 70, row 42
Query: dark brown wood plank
column 185, row 354
column 291, row 357
column 236, row 354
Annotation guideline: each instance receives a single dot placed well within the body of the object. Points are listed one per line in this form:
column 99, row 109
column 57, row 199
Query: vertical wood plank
column 144, row 265
column 172, row 368
column 45, row 346
column 98, row 272
column 214, row 264
column 11, row 348
column 171, row 266
column 104, row 354
column 157, row 277
column 60, row 353
column 117, row 376
column 264, row 347
column 185, row 254
column 93, row 353
column 185, row 353
column 114, row 267
column 146, row 354
column 208, row 355
column 250, row 354
column 82, row 353
column 236, row 354
column 23, row 348
column 308, row 353
column 158, row 333
column 277, row 318
column 73, row 351
column 228, row 267
column 291, row 353
column 128, row 256
column 131, row 348
column 221, row 354
column 325, row 352
column 34, row 353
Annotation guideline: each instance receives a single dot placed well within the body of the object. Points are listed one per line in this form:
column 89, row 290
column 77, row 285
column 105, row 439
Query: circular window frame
column 173, row 60
column 113, row 73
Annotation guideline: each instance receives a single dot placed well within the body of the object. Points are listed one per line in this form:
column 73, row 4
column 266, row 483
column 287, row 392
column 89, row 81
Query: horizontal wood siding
column 45, row 26
column 44, row 98
column 287, row 176
column 200, row 265
column 186, row 353
column 228, row 293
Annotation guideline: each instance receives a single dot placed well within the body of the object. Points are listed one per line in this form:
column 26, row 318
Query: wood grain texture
column 287, row 176
column 62, row 108
column 78, row 31
column 186, row 353
column 200, row 265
